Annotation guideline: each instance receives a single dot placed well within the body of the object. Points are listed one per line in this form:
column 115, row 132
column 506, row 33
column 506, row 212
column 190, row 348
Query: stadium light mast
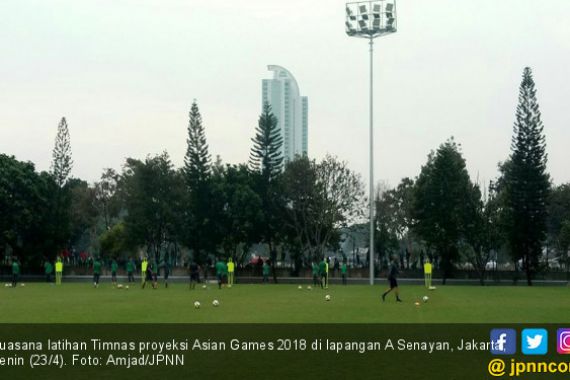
column 371, row 19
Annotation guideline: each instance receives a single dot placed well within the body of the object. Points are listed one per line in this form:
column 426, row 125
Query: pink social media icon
column 563, row 341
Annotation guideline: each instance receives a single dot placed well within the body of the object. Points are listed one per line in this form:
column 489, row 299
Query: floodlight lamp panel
column 363, row 12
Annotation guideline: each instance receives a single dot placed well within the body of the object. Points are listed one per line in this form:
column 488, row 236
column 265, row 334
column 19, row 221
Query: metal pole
column 371, row 259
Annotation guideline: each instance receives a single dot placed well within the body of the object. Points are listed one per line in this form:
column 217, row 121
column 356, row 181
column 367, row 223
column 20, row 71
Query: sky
column 124, row 73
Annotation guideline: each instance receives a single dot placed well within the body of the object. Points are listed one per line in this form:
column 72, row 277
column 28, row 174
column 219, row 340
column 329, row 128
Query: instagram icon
column 563, row 341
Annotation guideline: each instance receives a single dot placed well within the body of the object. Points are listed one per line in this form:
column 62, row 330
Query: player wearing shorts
column 393, row 281
column 58, row 271
column 323, row 273
column 220, row 271
column 96, row 272
column 166, row 272
column 130, row 270
column 15, row 271
column 48, row 270
column 194, row 270
column 315, row 270
column 114, row 268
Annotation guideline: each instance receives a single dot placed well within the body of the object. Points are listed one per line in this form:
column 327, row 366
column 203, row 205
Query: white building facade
column 290, row 108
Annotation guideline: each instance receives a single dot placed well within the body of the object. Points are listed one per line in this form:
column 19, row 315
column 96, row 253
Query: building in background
column 290, row 108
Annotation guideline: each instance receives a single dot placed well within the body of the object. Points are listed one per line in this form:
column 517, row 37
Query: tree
column 558, row 215
column 266, row 163
column 445, row 203
column 62, row 163
column 114, row 242
column 197, row 160
column 484, row 235
column 60, row 170
column 564, row 244
column 105, row 201
column 394, row 218
column 321, row 198
column 25, row 204
column 84, row 214
column 152, row 191
column 266, row 156
column 386, row 225
column 240, row 209
column 199, row 233
column 527, row 183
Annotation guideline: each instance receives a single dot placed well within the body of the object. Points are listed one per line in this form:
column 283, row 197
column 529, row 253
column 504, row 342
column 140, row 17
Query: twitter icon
column 534, row 341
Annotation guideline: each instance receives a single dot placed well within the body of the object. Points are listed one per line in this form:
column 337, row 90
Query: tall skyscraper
column 290, row 108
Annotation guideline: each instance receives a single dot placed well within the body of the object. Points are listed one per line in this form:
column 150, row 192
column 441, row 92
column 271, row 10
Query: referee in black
column 392, row 279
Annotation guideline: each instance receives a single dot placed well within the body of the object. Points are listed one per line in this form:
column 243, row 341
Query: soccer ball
column 216, row 303
column 7, row 285
column 127, row 287
column 309, row 288
column 327, row 297
column 120, row 286
column 229, row 285
column 22, row 284
column 417, row 303
column 204, row 286
column 300, row 287
column 196, row 305
column 425, row 298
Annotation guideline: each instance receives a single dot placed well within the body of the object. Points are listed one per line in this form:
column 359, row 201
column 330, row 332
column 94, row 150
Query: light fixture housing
column 370, row 19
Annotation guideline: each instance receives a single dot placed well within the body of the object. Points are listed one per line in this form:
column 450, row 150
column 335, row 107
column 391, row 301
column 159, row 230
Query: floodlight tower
column 371, row 19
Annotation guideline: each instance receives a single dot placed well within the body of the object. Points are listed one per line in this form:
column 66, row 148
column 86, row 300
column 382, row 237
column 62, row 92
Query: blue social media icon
column 534, row 341
column 503, row 341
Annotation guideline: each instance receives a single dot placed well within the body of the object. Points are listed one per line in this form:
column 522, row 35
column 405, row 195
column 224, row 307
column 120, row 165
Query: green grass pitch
column 81, row 303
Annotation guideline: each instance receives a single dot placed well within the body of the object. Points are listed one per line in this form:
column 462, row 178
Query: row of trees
column 300, row 207
column 455, row 220
column 205, row 207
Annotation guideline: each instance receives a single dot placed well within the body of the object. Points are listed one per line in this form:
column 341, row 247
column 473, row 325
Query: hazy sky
column 124, row 73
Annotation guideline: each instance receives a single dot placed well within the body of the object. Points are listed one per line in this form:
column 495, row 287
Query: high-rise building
column 290, row 108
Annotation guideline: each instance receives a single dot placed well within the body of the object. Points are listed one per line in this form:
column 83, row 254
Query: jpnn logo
column 563, row 341
column 503, row 341
column 534, row 341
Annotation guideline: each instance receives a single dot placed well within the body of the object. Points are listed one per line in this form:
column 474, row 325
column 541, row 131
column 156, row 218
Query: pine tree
column 62, row 163
column 266, row 156
column 527, row 182
column 199, row 234
column 197, row 161
column 266, row 162
column 60, row 209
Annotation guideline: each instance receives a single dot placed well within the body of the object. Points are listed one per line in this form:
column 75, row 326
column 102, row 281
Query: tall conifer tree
column 527, row 184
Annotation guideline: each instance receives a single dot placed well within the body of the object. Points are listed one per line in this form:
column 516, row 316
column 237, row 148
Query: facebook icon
column 503, row 341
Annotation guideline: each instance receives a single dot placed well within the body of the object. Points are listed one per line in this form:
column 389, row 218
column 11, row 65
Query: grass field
column 81, row 303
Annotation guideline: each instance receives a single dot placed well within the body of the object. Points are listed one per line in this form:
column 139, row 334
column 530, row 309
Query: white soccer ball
column 7, row 285
column 309, row 287
column 127, row 287
column 216, row 303
column 425, row 298
column 327, row 297
column 22, row 284
column 300, row 287
column 204, row 286
column 196, row 305
column 120, row 286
